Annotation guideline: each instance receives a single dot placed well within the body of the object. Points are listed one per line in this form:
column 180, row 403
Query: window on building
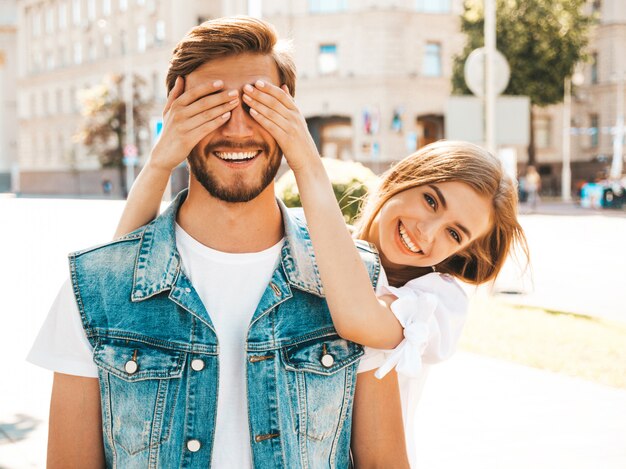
column 107, row 41
column 432, row 60
column 73, row 101
column 594, row 68
column 543, row 132
column 59, row 101
column 62, row 15
column 123, row 42
column 159, row 32
column 49, row 20
column 50, row 60
column 141, row 38
column 327, row 6
column 33, row 105
column 92, row 51
column 44, row 103
column 106, row 7
column 327, row 59
column 594, row 130
column 61, row 56
column 433, row 6
column 78, row 53
column 123, row 5
column 76, row 12
column 91, row 10
column 36, row 24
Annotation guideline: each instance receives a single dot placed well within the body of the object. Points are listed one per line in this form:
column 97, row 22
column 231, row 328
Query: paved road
column 578, row 265
column 476, row 412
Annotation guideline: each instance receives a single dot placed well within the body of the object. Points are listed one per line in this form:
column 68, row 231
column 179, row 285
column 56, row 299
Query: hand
column 276, row 111
column 188, row 116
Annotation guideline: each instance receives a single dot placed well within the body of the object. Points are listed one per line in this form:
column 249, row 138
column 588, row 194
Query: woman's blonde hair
column 446, row 161
column 225, row 37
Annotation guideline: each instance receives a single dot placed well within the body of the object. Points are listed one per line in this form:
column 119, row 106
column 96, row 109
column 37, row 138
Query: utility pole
column 618, row 135
column 566, row 172
column 490, row 92
column 130, row 147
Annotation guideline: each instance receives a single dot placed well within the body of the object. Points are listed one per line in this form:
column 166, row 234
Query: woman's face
column 425, row 225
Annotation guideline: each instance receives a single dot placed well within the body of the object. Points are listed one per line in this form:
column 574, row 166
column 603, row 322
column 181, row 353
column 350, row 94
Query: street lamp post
column 618, row 135
column 490, row 92
column 566, row 172
column 130, row 147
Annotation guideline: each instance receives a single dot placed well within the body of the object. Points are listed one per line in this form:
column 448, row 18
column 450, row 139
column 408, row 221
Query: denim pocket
column 323, row 372
column 140, row 386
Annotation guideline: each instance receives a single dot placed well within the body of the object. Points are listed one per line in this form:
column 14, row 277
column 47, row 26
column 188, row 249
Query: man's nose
column 240, row 124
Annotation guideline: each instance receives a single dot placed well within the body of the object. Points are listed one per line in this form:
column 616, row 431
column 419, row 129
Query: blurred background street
column 477, row 411
column 540, row 381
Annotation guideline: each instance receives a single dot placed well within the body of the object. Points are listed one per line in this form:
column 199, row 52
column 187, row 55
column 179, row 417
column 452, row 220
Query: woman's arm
column 357, row 313
column 75, row 428
column 378, row 439
column 188, row 116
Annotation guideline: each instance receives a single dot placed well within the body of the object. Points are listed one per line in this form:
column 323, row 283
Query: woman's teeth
column 236, row 156
column 407, row 241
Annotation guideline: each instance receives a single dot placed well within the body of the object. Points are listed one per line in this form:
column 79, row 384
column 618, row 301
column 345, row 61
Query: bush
column 351, row 183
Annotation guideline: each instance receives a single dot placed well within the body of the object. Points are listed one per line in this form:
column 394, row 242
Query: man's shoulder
column 123, row 245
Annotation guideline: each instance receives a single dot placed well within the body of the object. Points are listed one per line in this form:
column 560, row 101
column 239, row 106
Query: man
column 211, row 341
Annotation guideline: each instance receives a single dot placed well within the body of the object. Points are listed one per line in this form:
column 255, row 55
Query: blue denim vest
column 157, row 354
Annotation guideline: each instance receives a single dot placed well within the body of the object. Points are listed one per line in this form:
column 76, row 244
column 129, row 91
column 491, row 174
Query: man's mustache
column 225, row 145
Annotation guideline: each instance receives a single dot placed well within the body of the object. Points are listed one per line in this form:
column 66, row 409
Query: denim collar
column 158, row 263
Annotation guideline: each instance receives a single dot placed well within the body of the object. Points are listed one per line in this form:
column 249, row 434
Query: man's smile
column 237, row 156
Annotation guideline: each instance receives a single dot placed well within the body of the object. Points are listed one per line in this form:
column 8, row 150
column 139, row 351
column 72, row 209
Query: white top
column 230, row 287
column 432, row 310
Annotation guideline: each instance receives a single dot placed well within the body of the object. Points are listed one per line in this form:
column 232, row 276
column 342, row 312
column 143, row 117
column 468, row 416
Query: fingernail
column 253, row 112
column 246, row 97
column 260, row 83
column 234, row 101
column 248, row 88
column 226, row 115
column 218, row 83
column 233, row 93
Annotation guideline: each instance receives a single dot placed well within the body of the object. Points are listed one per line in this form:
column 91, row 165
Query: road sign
column 474, row 72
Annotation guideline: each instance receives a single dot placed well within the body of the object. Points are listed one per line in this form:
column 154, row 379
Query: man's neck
column 232, row 227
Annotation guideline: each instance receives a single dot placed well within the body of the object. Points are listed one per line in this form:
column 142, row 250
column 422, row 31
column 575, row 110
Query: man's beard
column 236, row 191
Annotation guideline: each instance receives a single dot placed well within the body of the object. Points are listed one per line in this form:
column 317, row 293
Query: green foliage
column 351, row 183
column 103, row 129
column 542, row 40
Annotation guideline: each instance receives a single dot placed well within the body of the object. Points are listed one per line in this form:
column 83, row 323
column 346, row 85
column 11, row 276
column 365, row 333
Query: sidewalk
column 475, row 413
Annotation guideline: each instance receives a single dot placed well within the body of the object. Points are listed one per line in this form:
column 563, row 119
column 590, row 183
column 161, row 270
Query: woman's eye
column 430, row 201
column 455, row 236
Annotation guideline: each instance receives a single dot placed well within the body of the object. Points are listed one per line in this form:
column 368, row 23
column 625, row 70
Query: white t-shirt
column 230, row 287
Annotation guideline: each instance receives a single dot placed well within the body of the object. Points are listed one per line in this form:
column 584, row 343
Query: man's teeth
column 236, row 156
column 407, row 241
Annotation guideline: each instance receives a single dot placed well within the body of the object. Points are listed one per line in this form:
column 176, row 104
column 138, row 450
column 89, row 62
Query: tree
column 103, row 129
column 542, row 40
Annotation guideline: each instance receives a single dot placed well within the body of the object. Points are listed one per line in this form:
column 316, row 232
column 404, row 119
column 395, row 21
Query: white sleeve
column 374, row 358
column 432, row 310
column 62, row 344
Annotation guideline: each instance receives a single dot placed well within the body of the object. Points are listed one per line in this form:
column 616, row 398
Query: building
column 373, row 79
column 8, row 104
column 373, row 76
column 67, row 46
column 597, row 101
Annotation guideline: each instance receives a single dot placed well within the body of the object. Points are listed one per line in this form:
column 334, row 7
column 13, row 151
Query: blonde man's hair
column 225, row 37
